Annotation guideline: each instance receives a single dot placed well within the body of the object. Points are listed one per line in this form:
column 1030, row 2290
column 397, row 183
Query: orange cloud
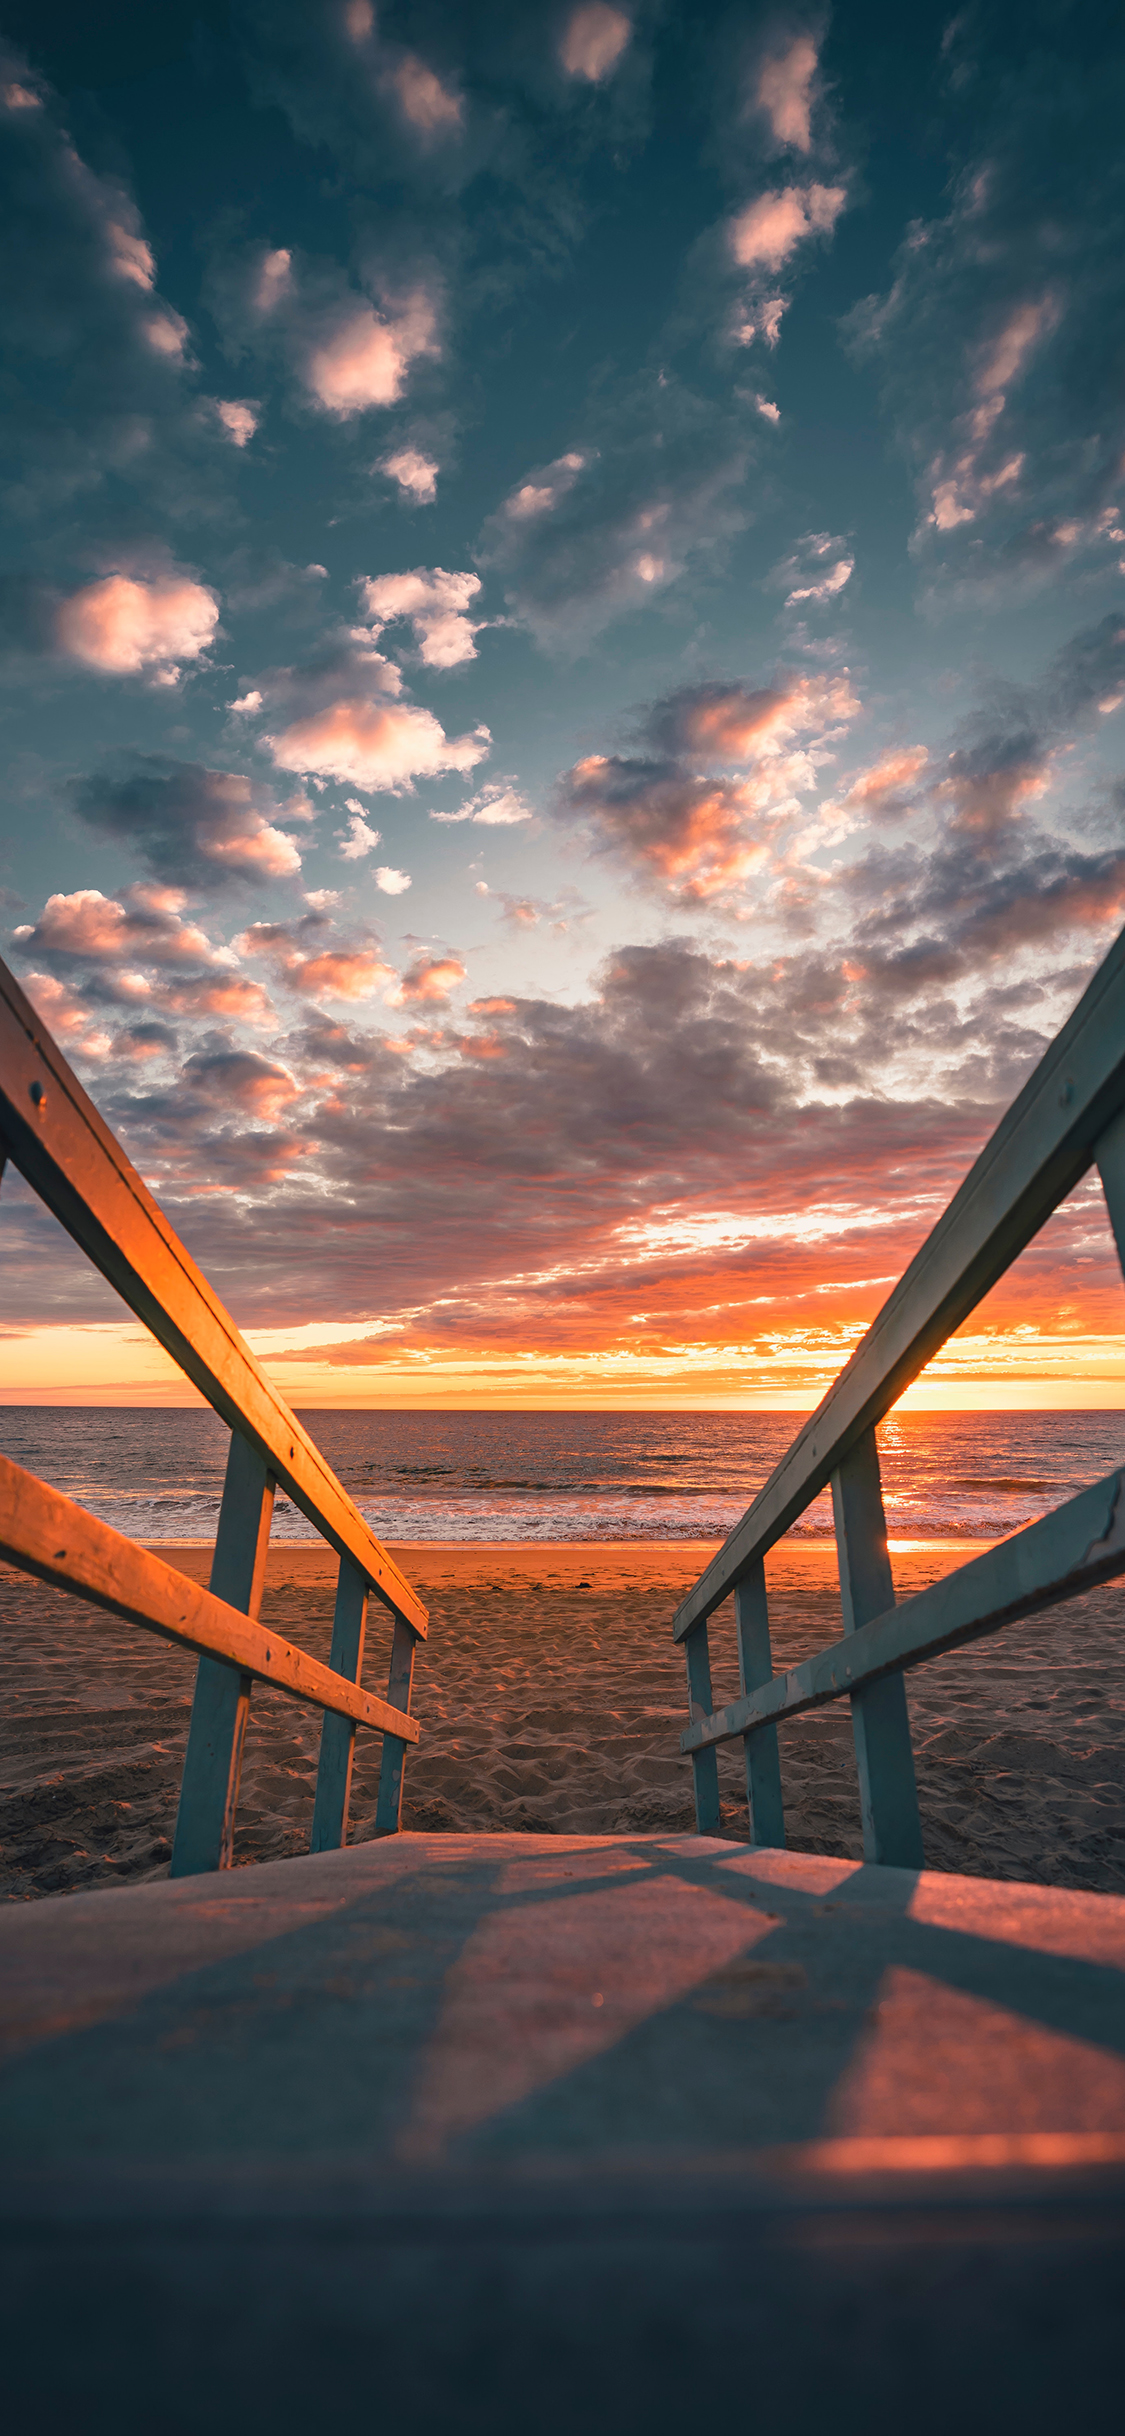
column 428, row 981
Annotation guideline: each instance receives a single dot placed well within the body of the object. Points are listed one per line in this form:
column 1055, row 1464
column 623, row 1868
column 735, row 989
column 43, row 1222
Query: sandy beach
column 551, row 1697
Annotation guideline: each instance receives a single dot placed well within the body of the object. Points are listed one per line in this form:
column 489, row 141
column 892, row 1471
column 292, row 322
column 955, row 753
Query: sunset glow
column 565, row 663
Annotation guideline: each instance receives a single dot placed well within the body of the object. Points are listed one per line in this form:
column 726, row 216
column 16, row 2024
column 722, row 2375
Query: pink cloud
column 702, row 838
column 740, row 725
column 429, row 106
column 380, row 746
column 437, row 606
column 785, row 93
column 594, row 40
column 889, row 779
column 415, row 473
column 770, row 229
column 192, row 824
column 130, row 626
column 352, row 973
column 239, row 417
column 89, row 927
column 66, row 1014
column 235, row 1000
column 365, row 359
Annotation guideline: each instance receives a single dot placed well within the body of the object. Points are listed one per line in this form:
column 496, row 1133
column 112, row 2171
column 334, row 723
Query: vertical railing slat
column 704, row 1764
column 755, row 1666
column 204, row 1837
column 892, row 1832
column 337, row 1734
column 392, row 1767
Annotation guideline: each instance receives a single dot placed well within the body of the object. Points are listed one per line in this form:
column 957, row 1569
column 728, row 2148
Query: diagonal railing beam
column 70, row 1158
column 1079, row 1546
column 49, row 1535
column 1036, row 1156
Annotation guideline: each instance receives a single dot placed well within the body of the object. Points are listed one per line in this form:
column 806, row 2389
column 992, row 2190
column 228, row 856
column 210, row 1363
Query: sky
column 562, row 630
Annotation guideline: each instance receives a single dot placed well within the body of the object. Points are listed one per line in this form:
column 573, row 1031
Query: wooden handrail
column 57, row 1139
column 49, row 1535
column 1070, row 1551
column 1037, row 1154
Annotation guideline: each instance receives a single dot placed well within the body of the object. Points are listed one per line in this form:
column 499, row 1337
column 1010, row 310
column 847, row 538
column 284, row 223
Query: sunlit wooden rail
column 52, row 1132
column 1068, row 1117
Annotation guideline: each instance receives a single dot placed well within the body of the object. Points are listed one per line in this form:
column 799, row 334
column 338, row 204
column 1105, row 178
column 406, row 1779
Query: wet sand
column 551, row 1697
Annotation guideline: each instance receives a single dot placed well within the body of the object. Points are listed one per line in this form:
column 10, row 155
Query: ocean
column 157, row 1473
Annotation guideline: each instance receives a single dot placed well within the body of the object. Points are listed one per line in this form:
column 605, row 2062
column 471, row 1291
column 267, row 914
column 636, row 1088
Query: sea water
column 158, row 1473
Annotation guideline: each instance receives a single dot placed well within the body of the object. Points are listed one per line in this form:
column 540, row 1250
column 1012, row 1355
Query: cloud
column 699, row 837
column 610, row 526
column 643, row 1169
column 239, row 417
column 351, row 723
column 68, row 1016
column 436, row 606
column 145, row 928
column 102, row 388
column 816, row 570
column 255, row 1085
column 194, row 826
column 594, row 40
column 889, row 786
column 498, row 806
column 428, row 981
column 563, row 912
column 998, row 341
column 146, row 623
column 359, row 838
column 988, row 784
column 427, row 105
column 351, row 352
column 125, row 626
column 381, row 746
column 785, row 93
column 415, row 473
column 392, row 883
column 315, row 971
column 736, row 724
column 768, row 231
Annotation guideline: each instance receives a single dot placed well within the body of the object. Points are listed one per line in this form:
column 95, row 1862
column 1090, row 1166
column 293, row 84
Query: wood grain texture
column 47, row 1534
column 1037, row 1154
column 70, row 1158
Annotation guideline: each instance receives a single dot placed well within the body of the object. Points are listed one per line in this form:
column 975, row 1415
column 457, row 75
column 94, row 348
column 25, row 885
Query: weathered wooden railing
column 52, row 1132
column 1068, row 1116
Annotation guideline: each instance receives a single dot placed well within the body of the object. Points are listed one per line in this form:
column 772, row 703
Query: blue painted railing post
column 892, row 1831
column 204, row 1837
column 388, row 1808
column 755, row 1667
column 337, row 1734
column 705, row 1763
